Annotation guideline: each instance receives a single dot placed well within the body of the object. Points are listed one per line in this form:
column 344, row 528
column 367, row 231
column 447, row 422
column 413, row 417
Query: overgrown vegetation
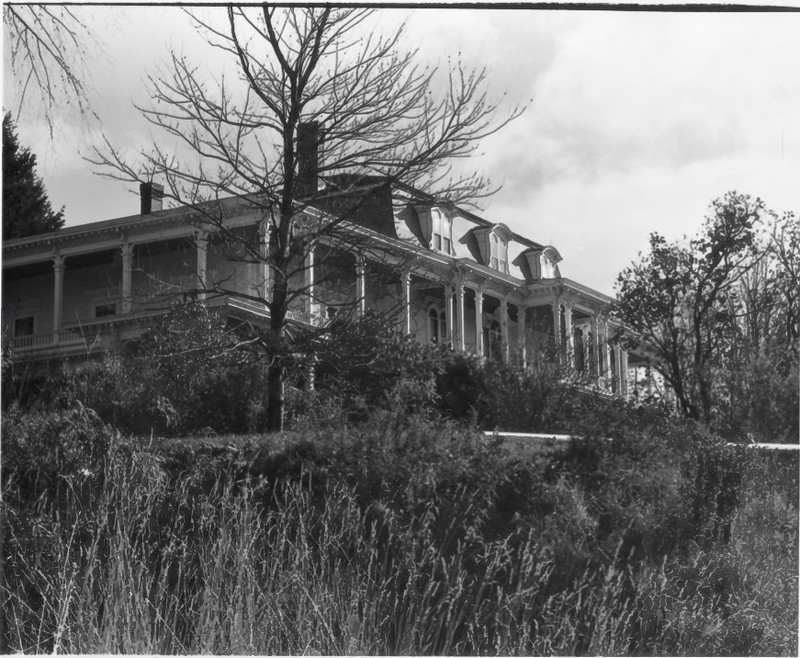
column 403, row 535
column 385, row 523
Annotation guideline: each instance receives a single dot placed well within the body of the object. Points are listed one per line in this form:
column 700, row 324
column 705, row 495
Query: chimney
column 152, row 196
column 309, row 140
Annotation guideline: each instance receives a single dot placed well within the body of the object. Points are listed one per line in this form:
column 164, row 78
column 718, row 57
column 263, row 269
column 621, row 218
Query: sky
column 634, row 121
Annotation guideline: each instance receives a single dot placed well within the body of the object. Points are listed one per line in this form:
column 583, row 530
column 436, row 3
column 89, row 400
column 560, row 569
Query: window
column 498, row 253
column 24, row 326
column 492, row 340
column 437, row 325
column 104, row 310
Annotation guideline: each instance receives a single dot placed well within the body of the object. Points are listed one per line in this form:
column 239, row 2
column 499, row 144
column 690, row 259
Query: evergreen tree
column 26, row 208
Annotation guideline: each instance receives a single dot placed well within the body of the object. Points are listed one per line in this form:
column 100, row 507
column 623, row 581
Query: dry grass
column 158, row 566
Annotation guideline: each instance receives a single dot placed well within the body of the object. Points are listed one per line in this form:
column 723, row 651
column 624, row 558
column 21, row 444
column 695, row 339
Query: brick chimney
column 309, row 140
column 152, row 196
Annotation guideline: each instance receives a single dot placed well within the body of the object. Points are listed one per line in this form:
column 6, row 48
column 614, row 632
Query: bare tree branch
column 48, row 49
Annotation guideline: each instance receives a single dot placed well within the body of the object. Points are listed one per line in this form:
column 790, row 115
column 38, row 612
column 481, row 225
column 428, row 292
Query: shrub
column 187, row 374
column 52, row 455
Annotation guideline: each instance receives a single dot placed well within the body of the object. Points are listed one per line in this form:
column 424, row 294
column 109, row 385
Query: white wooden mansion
column 451, row 276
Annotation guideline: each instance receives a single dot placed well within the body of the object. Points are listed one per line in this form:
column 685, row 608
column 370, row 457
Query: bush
column 187, row 374
column 365, row 364
column 761, row 397
column 52, row 455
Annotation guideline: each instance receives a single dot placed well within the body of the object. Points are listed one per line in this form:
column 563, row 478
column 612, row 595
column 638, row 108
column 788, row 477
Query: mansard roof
column 371, row 201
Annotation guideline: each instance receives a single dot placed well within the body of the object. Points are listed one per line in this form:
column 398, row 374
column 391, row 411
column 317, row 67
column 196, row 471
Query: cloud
column 633, row 90
column 637, row 121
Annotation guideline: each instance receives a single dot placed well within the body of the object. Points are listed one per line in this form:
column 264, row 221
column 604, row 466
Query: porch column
column 601, row 350
column 361, row 286
column 127, row 253
column 556, row 303
column 504, row 327
column 405, row 284
column 448, row 313
column 616, row 370
column 201, row 240
column 459, row 333
column 264, row 287
column 58, row 295
column 584, row 351
column 479, row 320
column 596, row 365
column 623, row 367
column 522, row 338
column 570, row 336
column 587, row 348
column 308, row 274
column 607, row 372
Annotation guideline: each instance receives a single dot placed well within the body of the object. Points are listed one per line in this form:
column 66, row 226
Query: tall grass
column 131, row 559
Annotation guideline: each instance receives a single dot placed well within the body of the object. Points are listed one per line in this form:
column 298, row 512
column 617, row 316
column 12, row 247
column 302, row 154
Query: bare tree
column 48, row 47
column 382, row 119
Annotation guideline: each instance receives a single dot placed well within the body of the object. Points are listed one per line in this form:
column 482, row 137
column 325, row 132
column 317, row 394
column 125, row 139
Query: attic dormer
column 539, row 263
column 436, row 226
column 493, row 245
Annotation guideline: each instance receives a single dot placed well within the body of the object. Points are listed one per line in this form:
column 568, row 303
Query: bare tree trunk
column 275, row 389
column 277, row 368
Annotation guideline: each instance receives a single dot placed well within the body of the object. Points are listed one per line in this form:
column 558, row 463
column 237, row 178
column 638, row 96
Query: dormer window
column 498, row 249
column 493, row 245
column 442, row 232
column 539, row 263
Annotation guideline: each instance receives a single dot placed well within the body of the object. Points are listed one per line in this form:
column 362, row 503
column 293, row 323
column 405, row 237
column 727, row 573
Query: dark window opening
column 24, row 326
column 103, row 310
